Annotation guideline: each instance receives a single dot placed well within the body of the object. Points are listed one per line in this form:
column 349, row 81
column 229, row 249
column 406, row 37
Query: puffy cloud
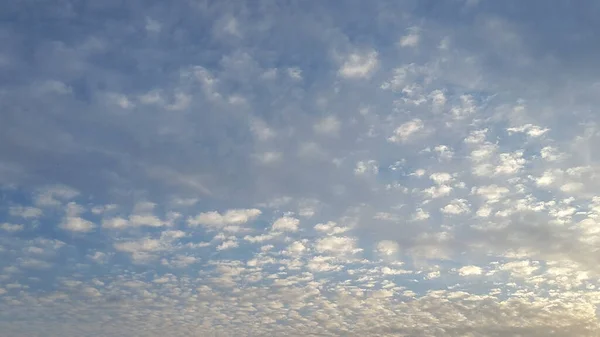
column 25, row 212
column 411, row 39
column 366, row 167
column 359, row 65
column 286, row 224
column 470, row 271
column 230, row 217
column 441, row 177
column 387, row 247
column 406, row 130
column 144, row 245
column 77, row 224
column 529, row 129
column 328, row 126
column 456, row 207
column 297, row 115
column 331, row 228
column 337, row 245
column 228, row 245
column 296, row 247
column 54, row 195
column 491, row 193
column 12, row 228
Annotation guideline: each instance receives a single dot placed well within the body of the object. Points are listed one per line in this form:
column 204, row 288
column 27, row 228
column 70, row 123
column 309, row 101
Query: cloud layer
column 383, row 168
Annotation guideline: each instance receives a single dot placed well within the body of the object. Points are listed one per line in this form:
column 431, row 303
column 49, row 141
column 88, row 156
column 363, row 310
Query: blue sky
column 266, row 168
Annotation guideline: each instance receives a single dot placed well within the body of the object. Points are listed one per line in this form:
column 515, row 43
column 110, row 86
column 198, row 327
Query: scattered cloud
column 406, row 130
column 214, row 219
column 230, row 169
column 359, row 65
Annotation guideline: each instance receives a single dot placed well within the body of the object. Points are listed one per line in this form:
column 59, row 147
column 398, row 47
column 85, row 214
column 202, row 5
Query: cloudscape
column 299, row 168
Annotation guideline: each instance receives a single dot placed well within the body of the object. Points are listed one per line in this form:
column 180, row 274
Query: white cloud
column 476, row 137
column 261, row 130
column 406, row 130
column 115, row 223
column 572, row 187
column 359, row 65
column 322, row 264
column 529, row 129
column 470, row 271
column 484, row 211
column 456, row 207
column 331, row 228
column 231, row 217
column 328, row 126
column 296, row 248
column 25, row 212
column 269, row 157
column 144, row 245
column 77, row 224
column 181, row 101
column 438, row 99
column 420, row 215
column 286, row 224
column 336, row 245
column 54, row 87
column 466, row 108
column 54, row 195
column 12, row 228
column 444, row 152
column 548, row 177
column 229, row 244
column 483, row 152
column 419, row 173
column 492, row 193
column 550, row 153
column 438, row 191
column 260, row 238
column 441, row 178
column 151, row 97
column 120, row 100
column 295, row 73
column 153, row 26
column 520, row 268
column 510, row 163
column 411, row 39
column 387, row 247
column 369, row 167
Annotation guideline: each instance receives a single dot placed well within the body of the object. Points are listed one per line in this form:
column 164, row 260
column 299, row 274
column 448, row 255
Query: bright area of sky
column 299, row 168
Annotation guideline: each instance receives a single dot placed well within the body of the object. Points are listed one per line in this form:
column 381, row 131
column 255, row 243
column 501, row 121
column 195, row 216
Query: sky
column 299, row 168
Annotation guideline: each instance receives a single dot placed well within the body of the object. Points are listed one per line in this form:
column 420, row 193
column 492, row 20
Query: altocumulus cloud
column 365, row 168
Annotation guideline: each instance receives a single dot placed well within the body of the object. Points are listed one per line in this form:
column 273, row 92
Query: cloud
column 11, row 228
column 286, row 224
column 228, row 245
column 328, row 126
column 470, row 271
column 77, row 224
column 223, row 168
column 231, row 217
column 456, row 207
column 529, row 129
column 337, row 245
column 359, row 65
column 54, row 195
column 368, row 167
column 25, row 212
column 406, row 130
column 387, row 247
column 144, row 245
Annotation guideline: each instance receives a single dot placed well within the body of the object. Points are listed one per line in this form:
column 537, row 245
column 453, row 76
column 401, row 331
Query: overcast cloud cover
column 299, row 168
